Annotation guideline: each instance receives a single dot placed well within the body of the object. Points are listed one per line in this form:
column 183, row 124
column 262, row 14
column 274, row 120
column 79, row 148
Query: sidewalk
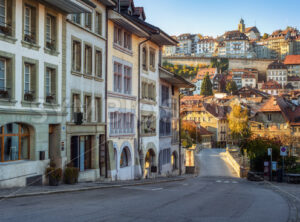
column 64, row 188
column 291, row 192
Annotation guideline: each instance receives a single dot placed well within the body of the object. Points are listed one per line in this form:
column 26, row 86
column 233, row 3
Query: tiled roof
column 253, row 28
column 293, row 78
column 270, row 106
column 217, row 111
column 248, row 76
column 277, row 65
column 202, row 72
column 235, row 35
column 292, row 60
column 271, row 84
column 204, row 131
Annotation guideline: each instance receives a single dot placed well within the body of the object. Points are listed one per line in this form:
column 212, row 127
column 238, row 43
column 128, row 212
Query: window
column 144, row 59
column 121, row 123
column 98, row 106
column 127, row 40
column 117, row 77
column 50, row 32
column 148, row 124
column 125, row 158
column 76, row 104
column 88, row 21
column 88, row 52
column 2, row 74
column 87, row 109
column 166, row 156
column 118, row 35
column 127, row 80
column 3, row 13
column 76, row 18
column 98, row 23
column 165, row 95
column 269, row 117
column 76, row 56
column 152, row 59
column 98, row 63
column 50, row 85
column 14, row 142
column 29, row 82
column 6, row 17
column 30, row 24
column 165, row 124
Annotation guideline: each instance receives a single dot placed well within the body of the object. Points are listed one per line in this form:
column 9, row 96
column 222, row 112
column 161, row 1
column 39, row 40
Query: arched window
column 14, row 142
column 125, row 158
column 174, row 160
column 144, row 58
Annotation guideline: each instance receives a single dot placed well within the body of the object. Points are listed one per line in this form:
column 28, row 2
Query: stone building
column 278, row 72
column 32, row 88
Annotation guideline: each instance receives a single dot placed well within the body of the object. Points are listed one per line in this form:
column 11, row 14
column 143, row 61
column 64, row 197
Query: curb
column 88, row 188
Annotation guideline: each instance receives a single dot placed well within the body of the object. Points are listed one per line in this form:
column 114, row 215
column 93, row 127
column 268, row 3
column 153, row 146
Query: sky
column 214, row 17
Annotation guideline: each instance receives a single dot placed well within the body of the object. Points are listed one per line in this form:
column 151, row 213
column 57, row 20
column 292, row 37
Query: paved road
column 213, row 163
column 206, row 199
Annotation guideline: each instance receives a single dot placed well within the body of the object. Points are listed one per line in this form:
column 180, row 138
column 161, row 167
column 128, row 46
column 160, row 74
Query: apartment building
column 32, row 88
column 292, row 63
column 206, row 47
column 278, row 72
column 86, row 77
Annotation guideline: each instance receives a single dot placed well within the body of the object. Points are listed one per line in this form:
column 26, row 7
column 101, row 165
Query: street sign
column 283, row 151
column 274, row 165
column 269, row 151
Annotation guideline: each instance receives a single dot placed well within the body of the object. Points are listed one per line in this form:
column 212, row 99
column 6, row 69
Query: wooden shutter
column 33, row 24
column 33, row 74
column 9, row 77
column 9, row 13
column 53, row 83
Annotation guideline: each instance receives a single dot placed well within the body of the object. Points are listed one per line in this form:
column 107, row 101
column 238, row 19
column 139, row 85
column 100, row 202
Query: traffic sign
column 283, row 151
column 269, row 151
column 274, row 165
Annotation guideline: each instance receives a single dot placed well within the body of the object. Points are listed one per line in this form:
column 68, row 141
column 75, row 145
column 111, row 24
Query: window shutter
column 33, row 75
column 53, row 31
column 78, row 56
column 53, row 84
column 9, row 12
column 9, row 77
column 33, row 24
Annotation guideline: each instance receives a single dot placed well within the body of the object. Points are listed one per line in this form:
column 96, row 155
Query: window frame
column 99, row 25
column 76, row 50
column 88, row 59
column 4, row 72
column 98, row 67
column 5, row 13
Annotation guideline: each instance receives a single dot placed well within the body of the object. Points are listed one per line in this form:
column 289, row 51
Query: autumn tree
column 265, row 36
column 238, row 122
column 231, row 87
column 206, row 87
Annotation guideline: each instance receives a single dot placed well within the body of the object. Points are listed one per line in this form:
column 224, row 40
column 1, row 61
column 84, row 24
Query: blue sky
column 214, row 17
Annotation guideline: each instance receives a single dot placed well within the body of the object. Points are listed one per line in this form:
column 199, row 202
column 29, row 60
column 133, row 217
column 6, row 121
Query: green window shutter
column 33, row 76
column 9, row 77
column 53, row 83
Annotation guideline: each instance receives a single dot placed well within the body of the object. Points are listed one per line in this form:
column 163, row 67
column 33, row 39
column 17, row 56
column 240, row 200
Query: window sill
column 51, row 105
column 30, row 45
column 76, row 73
column 51, row 52
column 8, row 38
column 30, row 104
column 121, row 96
column 98, row 79
column 122, row 135
column 122, row 49
column 165, row 136
column 88, row 76
column 148, row 134
column 8, row 102
column 149, row 102
column 152, row 69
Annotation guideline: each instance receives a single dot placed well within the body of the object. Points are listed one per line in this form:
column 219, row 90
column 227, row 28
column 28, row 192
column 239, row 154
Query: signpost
column 270, row 154
column 283, row 153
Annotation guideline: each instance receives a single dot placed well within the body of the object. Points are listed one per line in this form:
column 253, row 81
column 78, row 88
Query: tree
column 238, row 122
column 265, row 36
column 189, row 131
column 231, row 87
column 222, row 64
column 206, row 87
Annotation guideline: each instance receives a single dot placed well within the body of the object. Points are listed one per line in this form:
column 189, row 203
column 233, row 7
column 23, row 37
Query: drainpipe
column 179, row 98
column 105, row 102
column 139, row 98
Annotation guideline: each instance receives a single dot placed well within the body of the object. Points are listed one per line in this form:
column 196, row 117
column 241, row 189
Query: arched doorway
column 174, row 161
column 125, row 159
column 150, row 164
column 14, row 142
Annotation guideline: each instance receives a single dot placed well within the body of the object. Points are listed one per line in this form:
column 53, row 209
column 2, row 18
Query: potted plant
column 54, row 174
column 71, row 174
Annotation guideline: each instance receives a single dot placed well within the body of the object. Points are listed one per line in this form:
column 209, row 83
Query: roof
column 292, row 60
column 174, row 79
column 277, row 65
column 139, row 12
column 235, row 35
column 68, row 6
column 293, row 78
column 220, row 112
column 270, row 106
column 204, row 131
column 248, row 76
column 271, row 84
column 253, row 28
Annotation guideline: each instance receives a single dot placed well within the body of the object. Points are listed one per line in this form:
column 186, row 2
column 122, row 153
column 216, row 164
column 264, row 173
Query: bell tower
column 241, row 27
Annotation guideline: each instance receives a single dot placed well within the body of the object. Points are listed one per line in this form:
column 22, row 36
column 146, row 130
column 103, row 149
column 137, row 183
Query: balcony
column 51, row 44
column 50, row 98
column 30, row 37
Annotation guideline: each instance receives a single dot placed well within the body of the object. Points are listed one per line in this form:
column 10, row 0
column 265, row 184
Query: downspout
column 105, row 102
column 179, row 102
column 139, row 100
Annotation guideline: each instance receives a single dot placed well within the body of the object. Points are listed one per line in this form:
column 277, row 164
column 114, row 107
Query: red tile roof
column 270, row 106
column 271, row 84
column 292, row 60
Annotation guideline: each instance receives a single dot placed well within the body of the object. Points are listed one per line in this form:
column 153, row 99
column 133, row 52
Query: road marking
column 185, row 184
column 156, row 189
column 226, row 181
column 219, row 181
column 144, row 188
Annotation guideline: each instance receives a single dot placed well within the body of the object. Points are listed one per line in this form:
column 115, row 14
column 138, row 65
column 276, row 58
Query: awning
column 67, row 6
column 107, row 2
column 174, row 79
column 126, row 24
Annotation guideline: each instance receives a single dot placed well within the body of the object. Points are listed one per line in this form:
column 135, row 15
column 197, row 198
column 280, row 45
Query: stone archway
column 150, row 165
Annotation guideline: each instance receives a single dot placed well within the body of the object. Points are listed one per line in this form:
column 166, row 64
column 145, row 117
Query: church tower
column 242, row 26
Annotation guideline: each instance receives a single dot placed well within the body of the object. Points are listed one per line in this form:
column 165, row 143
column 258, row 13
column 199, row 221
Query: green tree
column 265, row 36
column 222, row 64
column 206, row 87
column 238, row 122
column 231, row 87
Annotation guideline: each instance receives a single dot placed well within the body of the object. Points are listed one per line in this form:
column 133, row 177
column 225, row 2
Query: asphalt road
column 217, row 195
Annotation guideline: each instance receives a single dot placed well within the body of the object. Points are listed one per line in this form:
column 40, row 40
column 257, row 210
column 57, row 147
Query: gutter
column 105, row 102
column 139, row 98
